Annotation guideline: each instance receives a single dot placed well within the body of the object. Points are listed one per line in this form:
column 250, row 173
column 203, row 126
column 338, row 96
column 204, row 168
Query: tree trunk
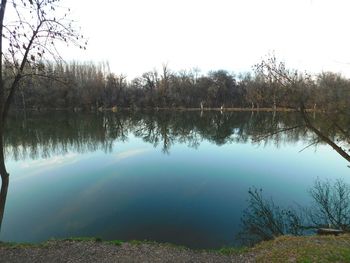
column 322, row 136
column 4, row 177
column 3, row 194
column 329, row 231
column 23, row 101
column 2, row 88
column 3, row 172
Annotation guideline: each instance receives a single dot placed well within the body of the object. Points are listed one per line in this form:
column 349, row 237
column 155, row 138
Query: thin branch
column 261, row 137
column 311, row 144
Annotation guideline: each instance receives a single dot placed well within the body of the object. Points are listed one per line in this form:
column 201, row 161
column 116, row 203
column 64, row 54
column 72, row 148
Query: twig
column 259, row 138
column 315, row 142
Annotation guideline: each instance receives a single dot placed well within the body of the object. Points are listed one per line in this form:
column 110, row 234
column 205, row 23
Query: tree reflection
column 3, row 194
column 329, row 211
column 264, row 220
column 46, row 134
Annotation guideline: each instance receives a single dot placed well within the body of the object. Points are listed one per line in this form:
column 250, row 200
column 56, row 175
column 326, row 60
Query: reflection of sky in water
column 192, row 197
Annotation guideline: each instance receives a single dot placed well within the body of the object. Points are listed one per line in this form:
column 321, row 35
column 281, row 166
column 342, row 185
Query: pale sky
column 136, row 36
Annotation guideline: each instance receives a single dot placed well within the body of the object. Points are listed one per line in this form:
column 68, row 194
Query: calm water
column 179, row 177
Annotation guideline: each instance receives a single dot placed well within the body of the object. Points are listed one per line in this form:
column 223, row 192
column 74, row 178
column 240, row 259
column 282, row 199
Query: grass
column 80, row 239
column 304, row 249
column 95, row 239
column 232, row 250
column 149, row 242
column 115, row 242
column 22, row 245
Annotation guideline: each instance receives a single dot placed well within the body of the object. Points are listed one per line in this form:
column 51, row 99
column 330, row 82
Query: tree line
column 89, row 86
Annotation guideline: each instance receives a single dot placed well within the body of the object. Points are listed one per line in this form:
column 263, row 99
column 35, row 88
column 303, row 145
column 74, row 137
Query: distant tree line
column 90, row 86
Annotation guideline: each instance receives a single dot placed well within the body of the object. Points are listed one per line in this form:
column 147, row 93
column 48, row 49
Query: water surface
column 179, row 177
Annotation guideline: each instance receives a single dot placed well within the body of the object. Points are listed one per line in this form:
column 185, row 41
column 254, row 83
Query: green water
column 179, row 177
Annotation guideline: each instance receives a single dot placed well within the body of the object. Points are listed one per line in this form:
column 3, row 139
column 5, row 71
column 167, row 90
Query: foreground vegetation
column 304, row 249
column 329, row 211
column 281, row 249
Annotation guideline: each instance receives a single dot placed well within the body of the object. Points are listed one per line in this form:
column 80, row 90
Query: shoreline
column 328, row 248
column 96, row 250
column 116, row 109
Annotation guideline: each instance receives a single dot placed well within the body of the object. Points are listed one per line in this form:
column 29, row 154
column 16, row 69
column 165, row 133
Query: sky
column 136, row 36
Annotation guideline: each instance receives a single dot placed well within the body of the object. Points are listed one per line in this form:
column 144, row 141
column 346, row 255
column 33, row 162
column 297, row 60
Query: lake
column 169, row 176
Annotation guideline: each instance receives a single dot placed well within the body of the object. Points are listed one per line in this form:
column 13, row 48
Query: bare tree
column 30, row 32
column 264, row 220
column 332, row 204
column 296, row 86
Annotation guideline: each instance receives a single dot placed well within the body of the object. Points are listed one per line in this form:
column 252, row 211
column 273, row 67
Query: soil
column 91, row 251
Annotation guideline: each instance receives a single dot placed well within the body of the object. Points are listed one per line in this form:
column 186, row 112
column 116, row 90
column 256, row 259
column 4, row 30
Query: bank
column 282, row 249
column 155, row 109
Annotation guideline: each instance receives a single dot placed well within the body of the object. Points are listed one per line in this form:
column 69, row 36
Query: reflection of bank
column 46, row 134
